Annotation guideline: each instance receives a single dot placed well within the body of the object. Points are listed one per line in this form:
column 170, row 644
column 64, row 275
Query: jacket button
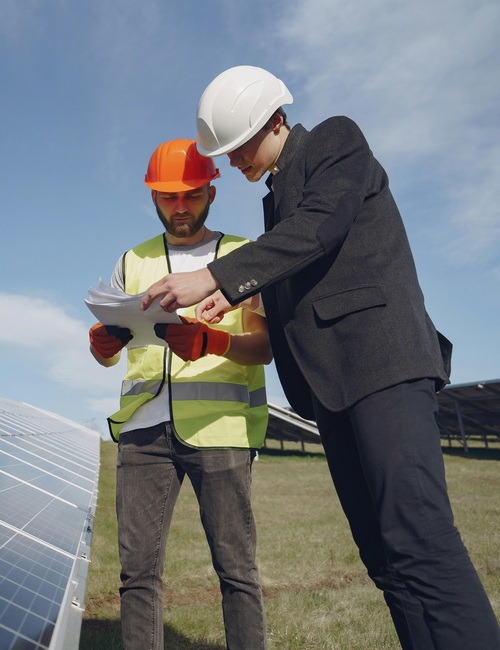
column 247, row 285
column 253, row 283
column 241, row 288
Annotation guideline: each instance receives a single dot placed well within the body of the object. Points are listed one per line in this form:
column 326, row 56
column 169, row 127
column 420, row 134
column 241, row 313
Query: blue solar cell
column 58, row 488
column 8, row 638
column 14, row 454
column 50, row 456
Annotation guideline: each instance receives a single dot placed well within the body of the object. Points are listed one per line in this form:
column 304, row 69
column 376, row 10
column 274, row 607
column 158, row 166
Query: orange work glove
column 193, row 339
column 108, row 340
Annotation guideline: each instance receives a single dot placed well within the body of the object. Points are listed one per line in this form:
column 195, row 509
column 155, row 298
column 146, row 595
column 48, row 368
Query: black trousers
column 385, row 459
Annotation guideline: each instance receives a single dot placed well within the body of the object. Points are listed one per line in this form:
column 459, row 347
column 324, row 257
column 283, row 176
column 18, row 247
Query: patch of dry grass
column 316, row 591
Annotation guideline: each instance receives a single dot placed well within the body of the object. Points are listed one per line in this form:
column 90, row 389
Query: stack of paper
column 115, row 307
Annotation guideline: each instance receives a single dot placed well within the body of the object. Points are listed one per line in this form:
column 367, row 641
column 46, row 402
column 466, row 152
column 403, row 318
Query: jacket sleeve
column 335, row 179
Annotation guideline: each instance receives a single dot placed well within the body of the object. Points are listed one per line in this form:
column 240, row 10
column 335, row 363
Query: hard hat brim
column 180, row 186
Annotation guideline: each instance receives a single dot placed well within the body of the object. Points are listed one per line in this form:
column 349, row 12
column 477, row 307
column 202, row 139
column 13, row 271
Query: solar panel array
column 470, row 412
column 287, row 425
column 49, row 469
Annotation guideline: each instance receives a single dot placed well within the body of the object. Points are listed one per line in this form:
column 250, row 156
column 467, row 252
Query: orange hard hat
column 177, row 166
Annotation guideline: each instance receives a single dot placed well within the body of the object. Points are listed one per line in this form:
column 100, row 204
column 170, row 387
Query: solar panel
column 49, row 469
column 287, row 425
column 470, row 412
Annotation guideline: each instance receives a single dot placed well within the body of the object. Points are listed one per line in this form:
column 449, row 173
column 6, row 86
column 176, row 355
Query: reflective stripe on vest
column 137, row 386
column 200, row 390
column 219, row 392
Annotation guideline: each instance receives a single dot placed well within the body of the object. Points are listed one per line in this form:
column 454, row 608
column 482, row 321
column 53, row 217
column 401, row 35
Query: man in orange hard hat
column 197, row 407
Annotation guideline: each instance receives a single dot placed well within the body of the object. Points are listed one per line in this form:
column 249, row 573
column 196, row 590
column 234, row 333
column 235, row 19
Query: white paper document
column 115, row 307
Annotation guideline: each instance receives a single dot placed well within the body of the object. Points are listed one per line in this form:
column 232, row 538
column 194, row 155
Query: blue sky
column 89, row 89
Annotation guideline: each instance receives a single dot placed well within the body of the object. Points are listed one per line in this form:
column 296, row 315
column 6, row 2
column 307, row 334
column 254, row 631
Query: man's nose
column 180, row 205
column 234, row 157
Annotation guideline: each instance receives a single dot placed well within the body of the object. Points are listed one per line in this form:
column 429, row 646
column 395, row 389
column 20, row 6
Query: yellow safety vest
column 214, row 402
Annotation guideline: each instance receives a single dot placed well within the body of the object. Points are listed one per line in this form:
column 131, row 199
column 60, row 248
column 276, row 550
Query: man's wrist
column 210, row 281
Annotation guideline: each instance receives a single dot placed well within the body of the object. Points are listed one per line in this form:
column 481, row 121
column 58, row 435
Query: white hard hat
column 235, row 106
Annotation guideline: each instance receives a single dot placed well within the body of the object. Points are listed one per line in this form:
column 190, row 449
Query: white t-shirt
column 182, row 258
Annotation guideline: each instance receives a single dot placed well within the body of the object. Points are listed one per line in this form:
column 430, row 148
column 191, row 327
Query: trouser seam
column 155, row 564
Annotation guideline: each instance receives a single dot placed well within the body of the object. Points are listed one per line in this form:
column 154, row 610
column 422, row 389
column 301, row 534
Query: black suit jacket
column 345, row 311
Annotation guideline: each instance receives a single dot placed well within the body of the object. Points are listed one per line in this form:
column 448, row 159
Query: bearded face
column 183, row 214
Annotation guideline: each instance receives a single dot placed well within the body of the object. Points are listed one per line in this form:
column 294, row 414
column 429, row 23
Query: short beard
column 186, row 229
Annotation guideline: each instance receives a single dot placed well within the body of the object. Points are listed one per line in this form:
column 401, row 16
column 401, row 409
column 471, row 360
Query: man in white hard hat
column 197, row 408
column 354, row 347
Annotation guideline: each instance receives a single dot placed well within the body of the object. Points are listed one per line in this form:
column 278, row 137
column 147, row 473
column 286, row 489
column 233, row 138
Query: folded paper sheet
column 114, row 307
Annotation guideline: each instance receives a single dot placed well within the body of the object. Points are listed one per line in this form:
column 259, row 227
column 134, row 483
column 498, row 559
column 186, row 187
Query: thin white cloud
column 105, row 405
column 58, row 344
column 421, row 79
column 471, row 233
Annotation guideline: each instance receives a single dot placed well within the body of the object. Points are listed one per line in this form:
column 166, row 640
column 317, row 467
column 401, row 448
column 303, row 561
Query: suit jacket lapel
column 268, row 204
column 270, row 201
column 276, row 182
column 278, row 187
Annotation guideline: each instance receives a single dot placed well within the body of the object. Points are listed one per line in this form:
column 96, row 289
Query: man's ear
column 276, row 121
column 153, row 196
column 211, row 193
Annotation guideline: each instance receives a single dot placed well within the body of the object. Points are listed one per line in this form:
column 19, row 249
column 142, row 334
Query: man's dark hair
column 268, row 125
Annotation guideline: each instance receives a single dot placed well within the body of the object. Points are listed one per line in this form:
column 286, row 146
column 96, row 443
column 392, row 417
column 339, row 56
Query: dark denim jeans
column 150, row 469
column 386, row 462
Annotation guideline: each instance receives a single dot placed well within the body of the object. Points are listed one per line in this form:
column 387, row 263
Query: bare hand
column 213, row 308
column 181, row 289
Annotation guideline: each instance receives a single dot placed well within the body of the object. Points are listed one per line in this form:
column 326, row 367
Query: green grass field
column 316, row 592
